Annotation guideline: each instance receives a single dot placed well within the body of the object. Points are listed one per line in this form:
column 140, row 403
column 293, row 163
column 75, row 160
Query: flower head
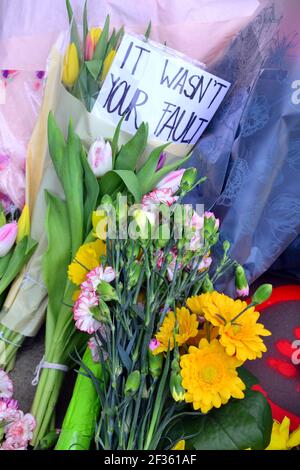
column 92, row 39
column 8, row 409
column 24, row 224
column 172, row 181
column 187, row 328
column 20, row 431
column 83, row 313
column 240, row 337
column 209, row 376
column 6, row 386
column 94, row 278
column 86, row 259
column 100, row 157
column 71, row 66
column 107, row 64
column 8, row 235
column 180, row 445
column 281, row 439
column 159, row 196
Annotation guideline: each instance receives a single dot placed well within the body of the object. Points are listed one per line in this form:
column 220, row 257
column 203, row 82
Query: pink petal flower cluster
column 17, row 427
column 159, row 196
column 171, row 265
column 89, row 299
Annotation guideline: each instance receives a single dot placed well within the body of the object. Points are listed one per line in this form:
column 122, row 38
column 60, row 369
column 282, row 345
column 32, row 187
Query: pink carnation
column 83, row 315
column 20, row 431
column 8, row 410
column 94, row 278
column 94, row 346
column 6, row 386
column 159, row 196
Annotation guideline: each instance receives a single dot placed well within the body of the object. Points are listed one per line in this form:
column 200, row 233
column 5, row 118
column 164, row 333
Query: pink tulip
column 172, row 181
column 100, row 157
column 8, row 235
column 92, row 39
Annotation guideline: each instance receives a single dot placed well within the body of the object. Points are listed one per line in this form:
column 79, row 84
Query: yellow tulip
column 24, row 224
column 107, row 63
column 91, row 42
column 71, row 66
column 100, row 222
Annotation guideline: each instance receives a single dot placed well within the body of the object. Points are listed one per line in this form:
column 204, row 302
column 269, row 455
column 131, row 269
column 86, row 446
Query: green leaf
column 85, row 22
column 94, row 67
column 148, row 31
column 57, row 257
column 239, row 425
column 4, row 262
column 115, row 140
column 20, row 255
column 110, row 182
column 130, row 153
column 74, row 30
column 91, row 192
column 101, row 48
column 247, row 377
column 72, row 182
column 152, row 181
column 149, row 168
column 56, row 143
column 119, row 37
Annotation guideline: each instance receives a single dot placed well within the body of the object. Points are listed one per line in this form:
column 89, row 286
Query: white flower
column 6, row 386
column 100, row 157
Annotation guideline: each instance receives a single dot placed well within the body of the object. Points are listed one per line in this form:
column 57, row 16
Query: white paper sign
column 151, row 83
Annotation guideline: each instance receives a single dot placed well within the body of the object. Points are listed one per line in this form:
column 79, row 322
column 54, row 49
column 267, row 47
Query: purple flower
column 161, row 161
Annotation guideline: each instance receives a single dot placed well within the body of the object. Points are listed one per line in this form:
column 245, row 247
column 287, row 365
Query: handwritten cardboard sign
column 151, row 83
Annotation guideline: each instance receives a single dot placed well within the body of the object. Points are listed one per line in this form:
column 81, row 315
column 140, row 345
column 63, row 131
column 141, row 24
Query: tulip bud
column 211, row 223
column 155, row 363
column 134, row 274
column 132, row 383
column 100, row 157
column 176, row 389
column 172, row 181
column 92, row 39
column 107, row 64
column 71, row 66
column 188, row 180
column 161, row 161
column 144, row 220
column 262, row 294
column 207, row 285
column 241, row 283
column 8, row 235
column 24, row 224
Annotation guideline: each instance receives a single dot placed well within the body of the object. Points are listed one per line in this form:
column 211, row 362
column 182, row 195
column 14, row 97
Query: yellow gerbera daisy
column 281, row 439
column 209, row 376
column 86, row 259
column 240, row 338
column 187, row 328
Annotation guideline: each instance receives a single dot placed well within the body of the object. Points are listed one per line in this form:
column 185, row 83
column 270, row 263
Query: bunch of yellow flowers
column 215, row 335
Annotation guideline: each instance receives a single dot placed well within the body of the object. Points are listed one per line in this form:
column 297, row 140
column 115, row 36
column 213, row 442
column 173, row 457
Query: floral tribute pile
column 16, row 428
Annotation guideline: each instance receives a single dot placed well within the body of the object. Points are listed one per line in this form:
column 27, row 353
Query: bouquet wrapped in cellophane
column 75, row 75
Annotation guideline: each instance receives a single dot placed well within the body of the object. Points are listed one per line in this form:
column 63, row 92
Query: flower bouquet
column 169, row 347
